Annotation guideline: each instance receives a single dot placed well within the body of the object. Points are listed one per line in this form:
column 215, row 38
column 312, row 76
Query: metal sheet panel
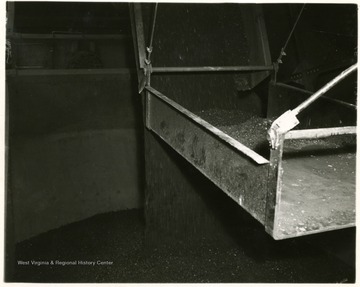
column 239, row 176
column 269, row 191
column 315, row 186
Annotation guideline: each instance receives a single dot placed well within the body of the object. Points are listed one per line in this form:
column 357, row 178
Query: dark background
column 76, row 152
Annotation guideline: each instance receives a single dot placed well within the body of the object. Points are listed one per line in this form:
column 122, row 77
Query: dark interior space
column 115, row 178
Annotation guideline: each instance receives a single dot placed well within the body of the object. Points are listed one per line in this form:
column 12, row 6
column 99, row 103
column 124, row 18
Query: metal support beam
column 288, row 120
column 237, row 170
column 324, row 89
column 210, row 69
column 319, row 133
column 275, row 177
column 69, row 72
column 68, row 36
column 234, row 143
column 345, row 104
column 138, row 34
column 310, row 189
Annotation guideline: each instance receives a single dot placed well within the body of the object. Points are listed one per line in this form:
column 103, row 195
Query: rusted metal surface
column 244, row 180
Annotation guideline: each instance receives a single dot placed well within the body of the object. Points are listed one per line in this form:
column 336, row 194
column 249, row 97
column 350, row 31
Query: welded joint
column 288, row 120
column 281, row 126
column 145, row 79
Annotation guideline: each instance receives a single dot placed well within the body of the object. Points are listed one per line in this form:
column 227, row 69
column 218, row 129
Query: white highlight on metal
column 288, row 120
column 237, row 145
column 320, row 133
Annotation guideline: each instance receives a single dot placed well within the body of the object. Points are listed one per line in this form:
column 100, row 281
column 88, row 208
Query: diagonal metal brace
column 288, row 120
column 145, row 78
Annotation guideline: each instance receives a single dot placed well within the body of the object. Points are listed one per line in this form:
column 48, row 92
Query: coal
column 119, row 237
column 247, row 128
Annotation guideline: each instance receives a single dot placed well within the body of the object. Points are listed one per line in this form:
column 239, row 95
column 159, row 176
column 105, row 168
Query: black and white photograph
column 163, row 142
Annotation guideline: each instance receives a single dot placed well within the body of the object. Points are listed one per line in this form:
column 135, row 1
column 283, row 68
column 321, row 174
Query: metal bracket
column 288, row 120
column 280, row 126
column 145, row 79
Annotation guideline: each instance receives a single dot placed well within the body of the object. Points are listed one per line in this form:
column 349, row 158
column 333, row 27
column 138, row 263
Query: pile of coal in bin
column 247, row 128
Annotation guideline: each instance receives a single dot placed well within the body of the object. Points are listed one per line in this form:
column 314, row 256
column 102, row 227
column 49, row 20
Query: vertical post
column 10, row 15
column 274, row 185
column 138, row 36
column 137, row 27
column 147, row 109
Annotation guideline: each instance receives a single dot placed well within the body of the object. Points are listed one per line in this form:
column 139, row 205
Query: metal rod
column 138, row 34
column 237, row 145
column 74, row 36
column 153, row 26
column 282, row 52
column 346, row 104
column 150, row 47
column 320, row 133
column 324, row 89
column 65, row 72
column 211, row 69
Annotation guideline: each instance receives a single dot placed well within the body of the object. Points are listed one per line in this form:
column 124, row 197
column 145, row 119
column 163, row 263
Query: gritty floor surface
column 247, row 128
column 118, row 237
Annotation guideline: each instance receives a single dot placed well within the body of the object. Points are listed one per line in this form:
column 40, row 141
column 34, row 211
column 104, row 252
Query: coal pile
column 118, row 237
column 247, row 128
